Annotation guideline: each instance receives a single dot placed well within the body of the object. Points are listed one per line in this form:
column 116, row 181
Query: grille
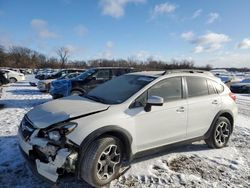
column 26, row 128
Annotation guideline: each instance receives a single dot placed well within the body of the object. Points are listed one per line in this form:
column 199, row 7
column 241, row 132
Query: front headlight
column 61, row 130
column 68, row 128
column 54, row 135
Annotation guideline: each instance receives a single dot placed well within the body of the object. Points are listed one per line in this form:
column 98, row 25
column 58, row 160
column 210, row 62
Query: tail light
column 233, row 96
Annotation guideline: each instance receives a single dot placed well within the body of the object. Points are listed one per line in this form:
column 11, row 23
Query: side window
column 197, row 86
column 63, row 74
column 219, row 87
column 211, row 88
column 169, row 89
column 118, row 72
column 102, row 74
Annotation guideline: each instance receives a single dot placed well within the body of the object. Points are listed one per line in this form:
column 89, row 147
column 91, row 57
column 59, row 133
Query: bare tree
column 63, row 54
column 20, row 55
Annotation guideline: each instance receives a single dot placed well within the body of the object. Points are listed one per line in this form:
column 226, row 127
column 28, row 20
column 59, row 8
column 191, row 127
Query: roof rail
column 187, row 71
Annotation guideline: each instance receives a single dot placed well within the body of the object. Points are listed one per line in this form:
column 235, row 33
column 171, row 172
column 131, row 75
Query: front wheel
column 102, row 161
column 220, row 134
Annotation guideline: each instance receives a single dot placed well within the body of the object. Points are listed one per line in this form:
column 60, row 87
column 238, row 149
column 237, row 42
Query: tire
column 101, row 151
column 13, row 80
column 76, row 92
column 220, row 134
column 55, row 97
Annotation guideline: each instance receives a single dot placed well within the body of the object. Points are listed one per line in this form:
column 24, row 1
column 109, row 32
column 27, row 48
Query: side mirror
column 153, row 101
column 93, row 78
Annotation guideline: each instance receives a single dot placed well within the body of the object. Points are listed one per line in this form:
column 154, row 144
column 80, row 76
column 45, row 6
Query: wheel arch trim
column 111, row 130
column 226, row 113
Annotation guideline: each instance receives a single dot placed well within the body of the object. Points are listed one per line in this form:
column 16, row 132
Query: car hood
column 63, row 109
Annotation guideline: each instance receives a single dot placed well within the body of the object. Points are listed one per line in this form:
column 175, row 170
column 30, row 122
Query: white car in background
column 13, row 76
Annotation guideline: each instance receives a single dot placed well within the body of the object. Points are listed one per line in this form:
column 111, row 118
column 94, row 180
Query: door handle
column 181, row 109
column 215, row 102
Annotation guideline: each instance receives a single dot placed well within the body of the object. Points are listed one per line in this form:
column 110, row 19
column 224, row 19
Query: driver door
column 163, row 124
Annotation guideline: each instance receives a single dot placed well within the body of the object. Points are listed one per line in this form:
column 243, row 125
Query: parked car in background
column 97, row 135
column 225, row 79
column 44, row 85
column 3, row 81
column 86, row 81
column 241, row 87
column 45, row 73
column 3, row 78
column 13, row 76
column 69, row 76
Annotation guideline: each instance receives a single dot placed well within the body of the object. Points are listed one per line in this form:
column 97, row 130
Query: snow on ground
column 193, row 165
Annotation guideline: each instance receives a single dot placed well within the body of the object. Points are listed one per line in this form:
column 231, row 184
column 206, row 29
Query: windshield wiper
column 95, row 98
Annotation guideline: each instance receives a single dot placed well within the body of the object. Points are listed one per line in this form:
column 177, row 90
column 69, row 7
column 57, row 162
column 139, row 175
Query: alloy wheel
column 108, row 161
column 222, row 133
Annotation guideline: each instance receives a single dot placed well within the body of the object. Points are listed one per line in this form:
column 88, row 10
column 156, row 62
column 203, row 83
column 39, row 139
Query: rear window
column 219, row 87
column 211, row 88
column 197, row 86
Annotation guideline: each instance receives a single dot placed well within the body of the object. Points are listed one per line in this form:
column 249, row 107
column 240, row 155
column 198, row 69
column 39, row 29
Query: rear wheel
column 102, row 161
column 220, row 134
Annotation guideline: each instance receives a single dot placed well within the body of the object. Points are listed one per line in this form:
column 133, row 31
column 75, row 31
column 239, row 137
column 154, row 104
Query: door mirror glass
column 153, row 101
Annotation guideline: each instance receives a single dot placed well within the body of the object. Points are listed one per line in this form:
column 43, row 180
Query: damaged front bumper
column 46, row 159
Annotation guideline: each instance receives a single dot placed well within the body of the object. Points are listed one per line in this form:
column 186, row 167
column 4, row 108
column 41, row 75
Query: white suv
column 97, row 135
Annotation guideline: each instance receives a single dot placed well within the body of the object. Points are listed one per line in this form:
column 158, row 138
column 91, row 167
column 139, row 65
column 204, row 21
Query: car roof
column 176, row 72
column 112, row 68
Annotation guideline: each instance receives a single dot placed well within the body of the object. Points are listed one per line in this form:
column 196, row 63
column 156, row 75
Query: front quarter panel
column 114, row 117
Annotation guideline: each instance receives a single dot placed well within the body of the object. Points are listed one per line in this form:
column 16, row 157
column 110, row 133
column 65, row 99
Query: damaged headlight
column 60, row 130
column 68, row 127
column 54, row 135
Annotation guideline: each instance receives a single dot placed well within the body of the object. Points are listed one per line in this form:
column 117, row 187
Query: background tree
column 22, row 57
column 63, row 54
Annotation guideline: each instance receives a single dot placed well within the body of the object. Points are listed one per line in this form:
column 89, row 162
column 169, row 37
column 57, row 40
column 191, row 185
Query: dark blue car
column 241, row 87
column 86, row 81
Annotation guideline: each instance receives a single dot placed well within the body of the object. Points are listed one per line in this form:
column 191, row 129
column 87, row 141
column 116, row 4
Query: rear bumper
column 22, row 78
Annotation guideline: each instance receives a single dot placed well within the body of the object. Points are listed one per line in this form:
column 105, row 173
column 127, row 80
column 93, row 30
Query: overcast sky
column 215, row 32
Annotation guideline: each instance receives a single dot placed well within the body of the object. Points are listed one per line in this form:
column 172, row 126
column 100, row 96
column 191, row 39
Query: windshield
column 86, row 74
column 119, row 89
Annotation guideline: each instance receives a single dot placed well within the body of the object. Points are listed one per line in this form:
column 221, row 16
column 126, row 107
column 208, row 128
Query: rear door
column 203, row 105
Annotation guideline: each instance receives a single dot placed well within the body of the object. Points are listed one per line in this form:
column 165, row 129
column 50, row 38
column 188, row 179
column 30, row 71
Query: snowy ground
column 192, row 165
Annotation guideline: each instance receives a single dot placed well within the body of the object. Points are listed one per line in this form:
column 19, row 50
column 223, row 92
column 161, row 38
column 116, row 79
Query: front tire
column 220, row 134
column 102, row 161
